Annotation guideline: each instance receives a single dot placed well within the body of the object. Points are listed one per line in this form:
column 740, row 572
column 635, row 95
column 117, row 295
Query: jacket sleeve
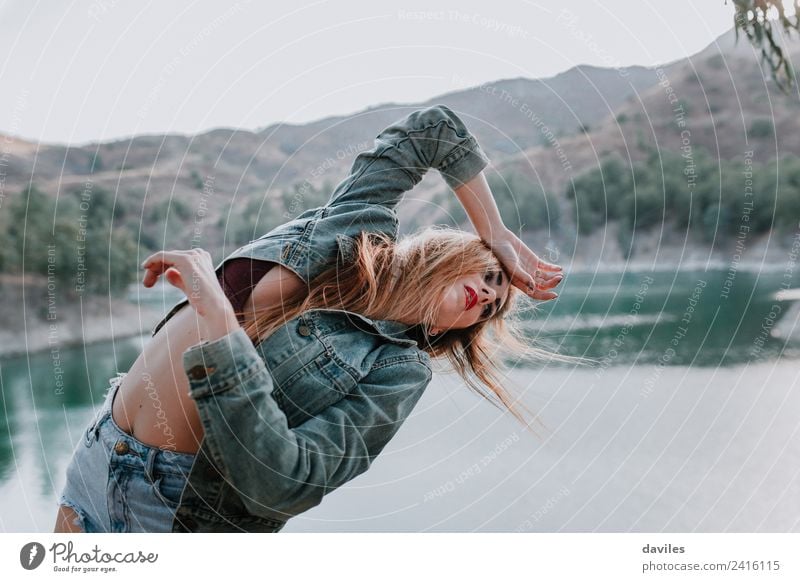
column 279, row 471
column 433, row 137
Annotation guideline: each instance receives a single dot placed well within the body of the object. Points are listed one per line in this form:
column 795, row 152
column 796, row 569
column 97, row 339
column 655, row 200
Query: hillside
column 240, row 166
column 550, row 130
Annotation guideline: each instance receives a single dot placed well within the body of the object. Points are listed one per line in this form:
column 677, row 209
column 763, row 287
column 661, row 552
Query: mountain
column 240, row 166
column 551, row 130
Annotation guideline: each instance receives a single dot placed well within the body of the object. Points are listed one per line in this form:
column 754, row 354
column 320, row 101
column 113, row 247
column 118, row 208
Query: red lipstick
column 470, row 299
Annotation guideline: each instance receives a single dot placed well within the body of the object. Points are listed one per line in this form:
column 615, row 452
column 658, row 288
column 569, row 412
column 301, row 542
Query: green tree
column 71, row 242
column 787, row 211
column 523, row 204
column 716, row 221
column 96, row 163
column 597, row 194
column 643, row 207
column 761, row 128
column 100, row 255
column 29, row 228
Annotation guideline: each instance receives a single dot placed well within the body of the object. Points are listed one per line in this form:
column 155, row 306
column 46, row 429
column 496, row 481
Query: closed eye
column 487, row 310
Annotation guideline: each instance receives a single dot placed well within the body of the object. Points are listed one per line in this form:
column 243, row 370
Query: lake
column 687, row 421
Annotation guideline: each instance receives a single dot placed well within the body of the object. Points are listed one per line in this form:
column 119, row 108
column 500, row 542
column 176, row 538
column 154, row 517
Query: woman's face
column 471, row 299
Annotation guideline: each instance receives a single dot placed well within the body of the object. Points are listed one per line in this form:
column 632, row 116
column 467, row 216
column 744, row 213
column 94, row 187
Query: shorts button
column 121, row 448
column 304, row 330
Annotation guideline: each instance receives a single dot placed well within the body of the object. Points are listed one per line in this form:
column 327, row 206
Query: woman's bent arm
column 481, row 208
column 434, row 137
column 280, row 471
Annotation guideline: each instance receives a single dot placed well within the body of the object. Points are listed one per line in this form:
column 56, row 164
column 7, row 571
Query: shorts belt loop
column 149, row 463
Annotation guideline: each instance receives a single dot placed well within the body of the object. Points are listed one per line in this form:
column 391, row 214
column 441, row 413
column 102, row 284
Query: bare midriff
column 153, row 403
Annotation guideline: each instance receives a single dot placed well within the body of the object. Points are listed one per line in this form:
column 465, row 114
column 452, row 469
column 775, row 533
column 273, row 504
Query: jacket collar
column 395, row 331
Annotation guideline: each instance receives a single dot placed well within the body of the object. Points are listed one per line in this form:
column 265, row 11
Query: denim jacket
column 307, row 409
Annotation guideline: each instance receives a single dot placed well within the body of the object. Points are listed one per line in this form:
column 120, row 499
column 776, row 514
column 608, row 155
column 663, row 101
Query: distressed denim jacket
column 307, row 409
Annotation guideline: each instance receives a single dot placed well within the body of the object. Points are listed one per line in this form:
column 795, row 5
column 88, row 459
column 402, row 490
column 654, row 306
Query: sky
column 81, row 71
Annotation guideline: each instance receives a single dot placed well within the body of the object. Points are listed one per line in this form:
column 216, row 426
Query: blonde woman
column 302, row 353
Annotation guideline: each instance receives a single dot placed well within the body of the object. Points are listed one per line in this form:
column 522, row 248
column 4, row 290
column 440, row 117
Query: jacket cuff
column 220, row 365
column 463, row 163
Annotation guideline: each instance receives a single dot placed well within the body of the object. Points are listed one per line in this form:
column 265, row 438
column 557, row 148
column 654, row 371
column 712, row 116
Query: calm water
column 700, row 318
column 671, row 348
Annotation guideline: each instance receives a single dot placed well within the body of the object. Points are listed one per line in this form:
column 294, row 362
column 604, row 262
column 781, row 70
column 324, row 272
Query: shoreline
column 40, row 337
column 30, row 324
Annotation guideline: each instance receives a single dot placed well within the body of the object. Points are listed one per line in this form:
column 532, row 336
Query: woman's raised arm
column 526, row 270
column 433, row 137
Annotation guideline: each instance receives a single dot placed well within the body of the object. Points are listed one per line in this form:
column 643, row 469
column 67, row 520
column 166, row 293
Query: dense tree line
column 523, row 204
column 250, row 219
column 79, row 240
column 91, row 241
column 707, row 196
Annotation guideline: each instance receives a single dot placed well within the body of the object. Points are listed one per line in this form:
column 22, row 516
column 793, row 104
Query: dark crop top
column 238, row 278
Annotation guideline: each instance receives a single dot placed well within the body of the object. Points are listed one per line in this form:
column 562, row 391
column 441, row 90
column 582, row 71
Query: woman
column 248, row 408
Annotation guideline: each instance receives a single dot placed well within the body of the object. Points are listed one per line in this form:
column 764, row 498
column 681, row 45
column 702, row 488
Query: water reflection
column 48, row 398
column 689, row 317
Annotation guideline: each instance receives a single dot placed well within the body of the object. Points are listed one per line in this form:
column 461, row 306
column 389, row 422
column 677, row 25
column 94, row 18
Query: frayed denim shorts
column 116, row 483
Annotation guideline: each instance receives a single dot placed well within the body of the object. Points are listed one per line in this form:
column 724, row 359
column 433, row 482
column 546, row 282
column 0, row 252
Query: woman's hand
column 193, row 273
column 527, row 271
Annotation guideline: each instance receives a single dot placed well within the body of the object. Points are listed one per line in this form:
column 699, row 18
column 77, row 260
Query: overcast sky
column 80, row 71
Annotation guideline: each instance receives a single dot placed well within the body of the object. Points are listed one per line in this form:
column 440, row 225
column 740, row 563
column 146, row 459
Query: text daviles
column 665, row 549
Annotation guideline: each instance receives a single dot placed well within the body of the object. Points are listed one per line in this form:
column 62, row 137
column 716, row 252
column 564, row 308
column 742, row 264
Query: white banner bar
column 352, row 557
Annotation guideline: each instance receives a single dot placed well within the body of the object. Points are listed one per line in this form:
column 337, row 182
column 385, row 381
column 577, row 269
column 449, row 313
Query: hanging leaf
column 751, row 17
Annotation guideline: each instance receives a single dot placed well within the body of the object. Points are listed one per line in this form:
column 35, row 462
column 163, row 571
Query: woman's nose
column 488, row 294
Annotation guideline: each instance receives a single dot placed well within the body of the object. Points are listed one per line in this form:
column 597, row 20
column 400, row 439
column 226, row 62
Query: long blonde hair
column 388, row 280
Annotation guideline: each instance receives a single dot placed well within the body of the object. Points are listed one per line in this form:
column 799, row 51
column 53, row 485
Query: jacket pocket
column 310, row 390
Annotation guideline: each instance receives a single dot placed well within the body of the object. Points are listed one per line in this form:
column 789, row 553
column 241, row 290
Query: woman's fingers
column 549, row 282
column 544, row 295
column 538, row 286
column 545, row 266
column 191, row 271
column 155, row 265
column 173, row 276
column 527, row 271
column 174, row 262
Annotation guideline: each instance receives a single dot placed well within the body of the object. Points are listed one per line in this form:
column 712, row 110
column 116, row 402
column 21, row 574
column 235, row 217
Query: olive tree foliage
column 761, row 21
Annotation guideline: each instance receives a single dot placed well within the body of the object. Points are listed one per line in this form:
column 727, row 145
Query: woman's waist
column 154, row 407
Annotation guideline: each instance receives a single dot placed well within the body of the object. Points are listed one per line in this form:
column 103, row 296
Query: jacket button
column 121, row 448
column 200, row 372
column 303, row 330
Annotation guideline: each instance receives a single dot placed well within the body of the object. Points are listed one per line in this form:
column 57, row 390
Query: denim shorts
column 116, row 483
